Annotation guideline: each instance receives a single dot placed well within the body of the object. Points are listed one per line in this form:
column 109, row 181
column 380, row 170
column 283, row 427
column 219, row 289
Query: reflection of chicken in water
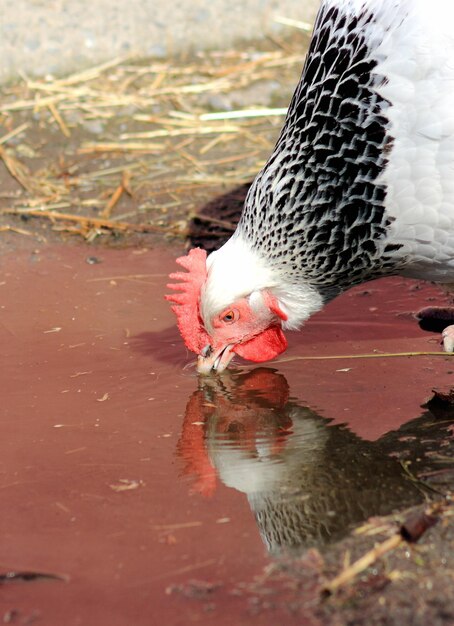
column 306, row 482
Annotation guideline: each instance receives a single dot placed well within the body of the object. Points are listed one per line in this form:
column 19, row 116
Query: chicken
column 307, row 481
column 360, row 184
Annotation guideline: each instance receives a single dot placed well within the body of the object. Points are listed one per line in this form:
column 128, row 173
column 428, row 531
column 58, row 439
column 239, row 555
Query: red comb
column 192, row 446
column 186, row 303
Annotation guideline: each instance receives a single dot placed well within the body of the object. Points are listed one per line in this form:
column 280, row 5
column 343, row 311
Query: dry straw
column 149, row 141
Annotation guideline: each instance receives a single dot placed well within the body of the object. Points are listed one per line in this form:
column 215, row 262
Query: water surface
column 128, row 478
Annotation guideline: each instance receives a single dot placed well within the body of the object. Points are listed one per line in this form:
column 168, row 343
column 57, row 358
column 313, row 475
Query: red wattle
column 268, row 345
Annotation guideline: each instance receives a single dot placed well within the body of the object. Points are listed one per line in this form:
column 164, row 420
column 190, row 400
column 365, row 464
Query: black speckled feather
column 360, row 183
column 316, row 210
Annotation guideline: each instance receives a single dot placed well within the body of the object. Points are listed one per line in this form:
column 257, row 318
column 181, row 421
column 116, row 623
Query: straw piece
column 363, row 563
column 23, row 105
column 124, row 187
column 109, row 171
column 286, row 21
column 200, row 130
column 246, row 113
column 13, row 133
column 214, row 220
column 380, row 355
column 121, row 147
column 18, row 171
column 58, row 118
column 410, row 531
column 113, row 200
column 93, row 221
column 13, row 229
column 92, row 72
column 164, row 109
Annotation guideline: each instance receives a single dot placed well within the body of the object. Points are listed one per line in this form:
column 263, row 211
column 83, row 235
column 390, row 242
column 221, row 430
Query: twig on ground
column 94, row 222
column 409, row 532
column 381, row 355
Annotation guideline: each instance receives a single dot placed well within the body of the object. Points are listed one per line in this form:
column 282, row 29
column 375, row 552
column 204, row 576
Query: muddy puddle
column 134, row 493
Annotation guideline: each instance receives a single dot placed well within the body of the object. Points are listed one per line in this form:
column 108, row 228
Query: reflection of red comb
column 192, row 446
column 186, row 303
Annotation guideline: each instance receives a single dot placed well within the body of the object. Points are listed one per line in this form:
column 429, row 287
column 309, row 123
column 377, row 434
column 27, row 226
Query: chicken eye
column 230, row 316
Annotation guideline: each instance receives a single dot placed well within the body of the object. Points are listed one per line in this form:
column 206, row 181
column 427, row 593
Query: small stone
column 93, row 260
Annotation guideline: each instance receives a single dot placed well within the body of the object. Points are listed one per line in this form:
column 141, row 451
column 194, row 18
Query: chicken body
column 360, row 183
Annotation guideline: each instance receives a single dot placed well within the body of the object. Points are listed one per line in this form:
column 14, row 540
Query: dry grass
column 135, row 146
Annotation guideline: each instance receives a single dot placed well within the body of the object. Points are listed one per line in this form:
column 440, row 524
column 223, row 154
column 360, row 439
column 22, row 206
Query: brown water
column 158, row 499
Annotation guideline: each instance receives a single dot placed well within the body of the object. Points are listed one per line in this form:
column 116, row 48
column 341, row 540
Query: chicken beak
column 214, row 360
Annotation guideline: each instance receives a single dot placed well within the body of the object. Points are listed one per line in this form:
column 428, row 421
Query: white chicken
column 360, row 184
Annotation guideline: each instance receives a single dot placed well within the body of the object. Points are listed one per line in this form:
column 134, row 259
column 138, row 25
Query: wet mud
column 133, row 492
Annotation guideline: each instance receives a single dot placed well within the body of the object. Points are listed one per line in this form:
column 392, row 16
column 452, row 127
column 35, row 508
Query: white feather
column 413, row 44
column 417, row 58
column 236, row 271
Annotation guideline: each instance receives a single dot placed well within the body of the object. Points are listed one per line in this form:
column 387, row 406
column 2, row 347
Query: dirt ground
column 131, row 152
column 158, row 156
